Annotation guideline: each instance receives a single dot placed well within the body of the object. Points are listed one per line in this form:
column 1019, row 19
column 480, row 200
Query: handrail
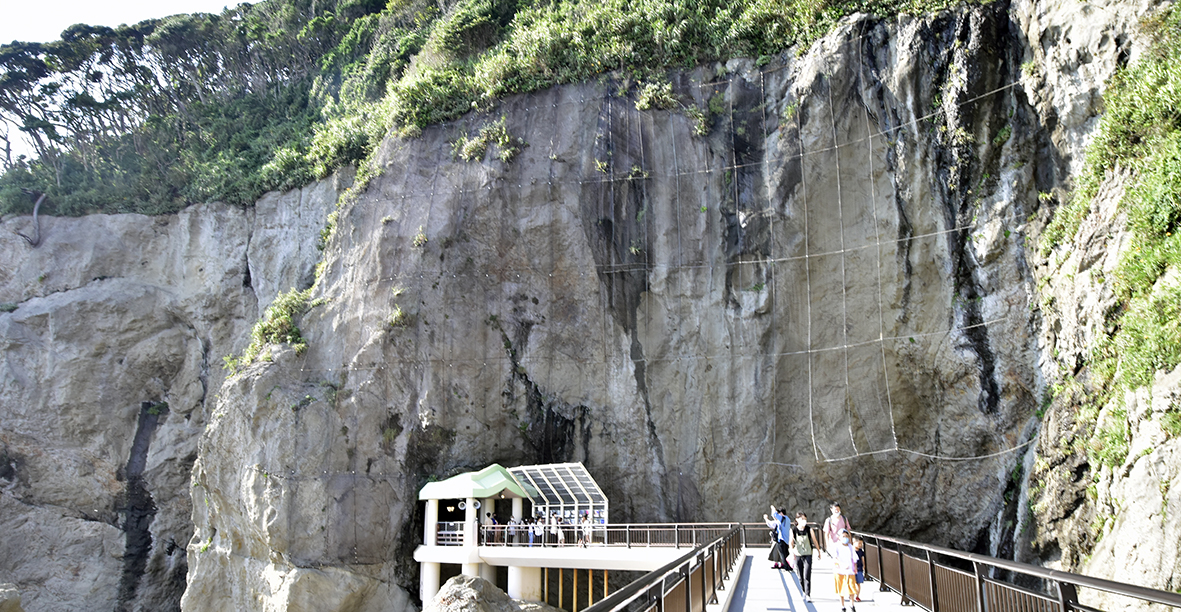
column 629, row 535
column 1066, row 582
column 656, row 578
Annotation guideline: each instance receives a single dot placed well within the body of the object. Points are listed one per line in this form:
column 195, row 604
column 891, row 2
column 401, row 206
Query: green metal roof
column 488, row 482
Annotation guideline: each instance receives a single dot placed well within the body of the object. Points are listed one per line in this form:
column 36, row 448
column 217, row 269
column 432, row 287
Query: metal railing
column 637, row 535
column 449, row 533
column 926, row 576
column 685, row 585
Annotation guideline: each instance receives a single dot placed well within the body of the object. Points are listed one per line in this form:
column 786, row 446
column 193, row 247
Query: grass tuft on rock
column 277, row 326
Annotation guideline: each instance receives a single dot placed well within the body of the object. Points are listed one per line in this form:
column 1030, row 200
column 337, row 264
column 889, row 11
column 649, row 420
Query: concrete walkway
column 762, row 589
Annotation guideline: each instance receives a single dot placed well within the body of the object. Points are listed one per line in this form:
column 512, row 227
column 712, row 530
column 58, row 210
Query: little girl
column 845, row 569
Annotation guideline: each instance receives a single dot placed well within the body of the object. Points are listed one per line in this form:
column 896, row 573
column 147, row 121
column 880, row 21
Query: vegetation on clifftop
column 191, row 108
column 1140, row 133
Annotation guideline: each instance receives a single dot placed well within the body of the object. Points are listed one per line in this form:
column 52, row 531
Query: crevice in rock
column 550, row 433
column 138, row 508
column 966, row 72
column 746, row 208
column 617, row 228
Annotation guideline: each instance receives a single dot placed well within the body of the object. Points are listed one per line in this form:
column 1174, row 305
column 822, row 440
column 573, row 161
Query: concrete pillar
column 470, row 524
column 518, row 508
column 429, row 581
column 471, row 534
column 488, row 572
column 524, row 583
column 430, row 536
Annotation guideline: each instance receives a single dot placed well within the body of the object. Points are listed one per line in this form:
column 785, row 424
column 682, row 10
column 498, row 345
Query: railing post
column 1067, row 596
column 902, row 577
column 979, row 586
column 934, row 595
column 881, row 568
column 676, row 535
column 627, row 535
column 704, row 581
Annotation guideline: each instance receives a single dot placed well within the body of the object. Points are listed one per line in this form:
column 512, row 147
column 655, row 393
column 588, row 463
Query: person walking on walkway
column 844, row 559
column 834, row 524
column 803, row 543
column 586, row 527
column 859, row 546
column 780, row 525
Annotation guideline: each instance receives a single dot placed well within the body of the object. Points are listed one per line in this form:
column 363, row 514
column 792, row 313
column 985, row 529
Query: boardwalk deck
column 759, row 588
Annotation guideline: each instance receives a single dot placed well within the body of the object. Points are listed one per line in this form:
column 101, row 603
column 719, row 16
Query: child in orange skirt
column 845, row 569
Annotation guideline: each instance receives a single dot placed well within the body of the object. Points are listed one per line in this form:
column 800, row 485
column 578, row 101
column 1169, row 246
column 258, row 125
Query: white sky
column 44, row 20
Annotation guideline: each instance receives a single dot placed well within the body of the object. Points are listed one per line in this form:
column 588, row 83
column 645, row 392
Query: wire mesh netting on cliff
column 784, row 254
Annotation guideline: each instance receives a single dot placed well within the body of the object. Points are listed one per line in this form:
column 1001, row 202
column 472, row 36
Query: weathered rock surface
column 109, row 358
column 1091, row 519
column 828, row 296
column 1112, row 523
column 825, row 297
column 474, row 594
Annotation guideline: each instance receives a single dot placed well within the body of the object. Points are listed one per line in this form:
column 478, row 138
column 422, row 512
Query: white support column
column 471, row 534
column 470, row 523
column 488, row 506
column 430, row 536
column 518, row 508
column 524, row 583
column 429, row 582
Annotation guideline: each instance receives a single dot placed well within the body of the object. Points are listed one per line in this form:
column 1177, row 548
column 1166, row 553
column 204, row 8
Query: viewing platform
column 704, row 567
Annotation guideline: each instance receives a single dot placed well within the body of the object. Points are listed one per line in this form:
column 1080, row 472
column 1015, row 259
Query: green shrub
column 473, row 148
column 656, row 95
column 1171, row 423
column 1110, row 444
column 277, row 326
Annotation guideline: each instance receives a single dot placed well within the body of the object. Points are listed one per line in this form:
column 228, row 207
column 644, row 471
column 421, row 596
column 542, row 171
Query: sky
column 44, row 20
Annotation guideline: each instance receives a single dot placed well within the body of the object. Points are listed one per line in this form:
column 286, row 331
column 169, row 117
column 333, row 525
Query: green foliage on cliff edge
column 152, row 117
column 1140, row 133
column 277, row 326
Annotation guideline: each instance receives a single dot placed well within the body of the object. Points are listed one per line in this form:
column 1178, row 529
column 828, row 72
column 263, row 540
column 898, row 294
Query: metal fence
column 685, row 585
column 638, row 535
column 944, row 580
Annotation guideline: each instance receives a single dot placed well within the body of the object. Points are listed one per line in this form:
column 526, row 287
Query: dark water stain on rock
column 138, row 508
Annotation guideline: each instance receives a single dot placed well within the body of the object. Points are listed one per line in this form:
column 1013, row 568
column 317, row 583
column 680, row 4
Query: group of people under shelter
column 795, row 543
column 542, row 530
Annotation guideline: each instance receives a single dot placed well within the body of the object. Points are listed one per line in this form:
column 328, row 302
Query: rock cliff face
column 828, row 295
column 111, row 359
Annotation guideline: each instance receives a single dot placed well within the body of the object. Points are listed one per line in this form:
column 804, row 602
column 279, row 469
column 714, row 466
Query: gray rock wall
column 110, row 360
column 825, row 297
column 828, row 296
